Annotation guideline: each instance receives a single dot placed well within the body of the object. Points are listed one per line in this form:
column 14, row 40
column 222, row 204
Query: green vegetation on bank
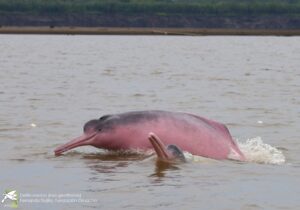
column 158, row 7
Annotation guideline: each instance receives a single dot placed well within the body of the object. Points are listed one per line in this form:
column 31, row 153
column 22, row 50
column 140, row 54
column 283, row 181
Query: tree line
column 154, row 7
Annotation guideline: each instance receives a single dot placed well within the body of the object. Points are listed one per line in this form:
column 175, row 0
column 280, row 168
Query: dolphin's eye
column 90, row 124
column 99, row 129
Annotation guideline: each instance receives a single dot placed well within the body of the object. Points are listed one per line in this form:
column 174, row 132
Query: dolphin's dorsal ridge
column 104, row 117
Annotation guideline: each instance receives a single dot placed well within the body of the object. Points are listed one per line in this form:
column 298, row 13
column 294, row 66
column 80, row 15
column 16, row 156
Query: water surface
column 51, row 85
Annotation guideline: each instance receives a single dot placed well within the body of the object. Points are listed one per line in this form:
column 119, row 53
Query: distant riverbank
column 145, row 31
column 151, row 21
column 198, row 14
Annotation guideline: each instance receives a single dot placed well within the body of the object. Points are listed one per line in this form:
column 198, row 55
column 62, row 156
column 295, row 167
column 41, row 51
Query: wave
column 255, row 150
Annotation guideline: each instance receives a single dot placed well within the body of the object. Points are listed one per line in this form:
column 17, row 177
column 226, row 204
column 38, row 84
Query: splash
column 196, row 158
column 255, row 150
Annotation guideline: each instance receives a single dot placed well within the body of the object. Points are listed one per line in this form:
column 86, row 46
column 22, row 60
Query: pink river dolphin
column 134, row 131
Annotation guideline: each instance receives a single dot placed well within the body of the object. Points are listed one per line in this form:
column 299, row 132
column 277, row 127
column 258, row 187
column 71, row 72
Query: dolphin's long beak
column 159, row 147
column 77, row 142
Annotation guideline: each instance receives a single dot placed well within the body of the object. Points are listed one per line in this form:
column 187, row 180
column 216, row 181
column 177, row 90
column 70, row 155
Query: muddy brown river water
column 51, row 85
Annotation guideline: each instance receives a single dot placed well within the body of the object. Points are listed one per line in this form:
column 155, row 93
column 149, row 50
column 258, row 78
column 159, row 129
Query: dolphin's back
column 192, row 133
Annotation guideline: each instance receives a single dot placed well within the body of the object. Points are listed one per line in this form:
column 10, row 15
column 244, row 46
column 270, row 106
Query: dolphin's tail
column 236, row 154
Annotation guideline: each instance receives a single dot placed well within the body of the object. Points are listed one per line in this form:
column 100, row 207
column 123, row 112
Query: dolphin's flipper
column 165, row 153
column 159, row 147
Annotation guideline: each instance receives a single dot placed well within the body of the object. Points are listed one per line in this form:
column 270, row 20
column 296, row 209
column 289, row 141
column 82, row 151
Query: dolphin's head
column 93, row 134
column 176, row 153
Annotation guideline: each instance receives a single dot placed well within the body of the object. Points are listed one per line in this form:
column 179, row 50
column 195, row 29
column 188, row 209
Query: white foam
column 196, row 158
column 255, row 150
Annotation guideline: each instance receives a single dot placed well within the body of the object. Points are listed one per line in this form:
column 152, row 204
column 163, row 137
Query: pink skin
column 191, row 133
column 160, row 149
